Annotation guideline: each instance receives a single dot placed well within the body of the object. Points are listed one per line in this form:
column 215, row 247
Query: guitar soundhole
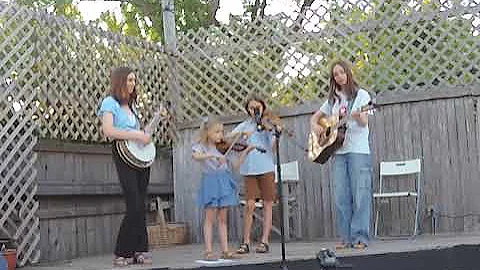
column 327, row 132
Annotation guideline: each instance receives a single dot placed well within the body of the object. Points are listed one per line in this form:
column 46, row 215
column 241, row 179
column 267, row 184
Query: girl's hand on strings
column 246, row 134
column 144, row 137
column 250, row 148
column 221, row 160
column 318, row 129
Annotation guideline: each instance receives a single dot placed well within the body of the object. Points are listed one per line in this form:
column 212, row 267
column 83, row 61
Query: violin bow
column 236, row 138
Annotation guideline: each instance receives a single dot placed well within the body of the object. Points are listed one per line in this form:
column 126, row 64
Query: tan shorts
column 261, row 186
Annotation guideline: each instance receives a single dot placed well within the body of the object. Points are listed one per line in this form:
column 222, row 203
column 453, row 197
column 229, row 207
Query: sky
column 92, row 9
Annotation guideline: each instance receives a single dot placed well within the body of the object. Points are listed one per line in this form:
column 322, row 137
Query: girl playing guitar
column 353, row 168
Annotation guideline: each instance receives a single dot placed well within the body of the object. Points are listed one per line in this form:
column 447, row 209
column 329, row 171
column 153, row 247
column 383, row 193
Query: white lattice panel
column 18, row 207
column 394, row 45
column 74, row 69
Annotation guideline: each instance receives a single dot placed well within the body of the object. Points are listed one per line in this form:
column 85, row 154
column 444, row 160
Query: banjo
column 137, row 154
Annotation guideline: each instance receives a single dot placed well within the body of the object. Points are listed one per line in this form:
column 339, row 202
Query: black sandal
column 262, row 248
column 143, row 258
column 243, row 249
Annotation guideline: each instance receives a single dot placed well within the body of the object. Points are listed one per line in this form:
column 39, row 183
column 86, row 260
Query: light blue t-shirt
column 356, row 139
column 257, row 162
column 211, row 165
column 121, row 118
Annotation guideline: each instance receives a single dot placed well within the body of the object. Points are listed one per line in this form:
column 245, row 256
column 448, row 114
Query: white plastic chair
column 290, row 179
column 289, row 172
column 398, row 168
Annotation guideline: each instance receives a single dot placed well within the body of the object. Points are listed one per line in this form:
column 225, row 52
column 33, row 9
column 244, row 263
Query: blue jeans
column 353, row 196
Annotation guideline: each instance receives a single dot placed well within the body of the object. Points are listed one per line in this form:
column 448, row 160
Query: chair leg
column 376, row 218
column 417, row 216
column 260, row 218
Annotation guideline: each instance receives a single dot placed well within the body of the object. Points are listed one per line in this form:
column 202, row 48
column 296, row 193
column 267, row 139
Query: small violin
column 224, row 145
column 270, row 120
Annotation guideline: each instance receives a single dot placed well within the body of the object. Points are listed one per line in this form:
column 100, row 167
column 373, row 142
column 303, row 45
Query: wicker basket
column 177, row 233
column 157, row 236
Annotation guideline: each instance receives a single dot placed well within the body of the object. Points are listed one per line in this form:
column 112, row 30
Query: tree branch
column 303, row 10
column 254, row 10
column 262, row 8
column 214, row 6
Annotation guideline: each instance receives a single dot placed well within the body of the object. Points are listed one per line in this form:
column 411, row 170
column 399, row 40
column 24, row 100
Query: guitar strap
column 135, row 113
column 350, row 104
column 349, row 110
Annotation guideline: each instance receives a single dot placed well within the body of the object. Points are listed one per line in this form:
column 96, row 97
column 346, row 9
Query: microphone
column 258, row 119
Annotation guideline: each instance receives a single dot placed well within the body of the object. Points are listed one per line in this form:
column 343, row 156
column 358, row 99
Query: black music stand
column 277, row 133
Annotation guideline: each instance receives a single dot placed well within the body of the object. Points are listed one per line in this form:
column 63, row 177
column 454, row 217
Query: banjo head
column 144, row 153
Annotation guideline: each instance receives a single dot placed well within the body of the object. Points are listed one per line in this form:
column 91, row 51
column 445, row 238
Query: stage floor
column 185, row 256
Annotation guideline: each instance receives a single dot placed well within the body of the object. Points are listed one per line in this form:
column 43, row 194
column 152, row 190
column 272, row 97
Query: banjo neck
column 159, row 115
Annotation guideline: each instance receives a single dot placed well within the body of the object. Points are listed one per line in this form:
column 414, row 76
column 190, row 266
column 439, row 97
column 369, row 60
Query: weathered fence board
column 81, row 206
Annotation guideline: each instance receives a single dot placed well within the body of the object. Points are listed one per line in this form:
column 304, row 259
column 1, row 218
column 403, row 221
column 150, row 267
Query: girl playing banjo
column 119, row 122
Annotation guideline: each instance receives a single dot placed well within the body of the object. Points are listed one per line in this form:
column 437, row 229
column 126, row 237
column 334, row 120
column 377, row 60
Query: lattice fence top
column 394, row 45
column 69, row 70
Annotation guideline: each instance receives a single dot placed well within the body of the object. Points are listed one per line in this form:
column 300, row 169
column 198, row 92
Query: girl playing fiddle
column 258, row 173
column 218, row 189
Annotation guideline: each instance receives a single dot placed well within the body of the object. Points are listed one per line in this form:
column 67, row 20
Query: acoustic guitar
column 322, row 146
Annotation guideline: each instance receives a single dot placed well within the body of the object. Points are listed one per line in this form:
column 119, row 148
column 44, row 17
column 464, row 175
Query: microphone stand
column 277, row 133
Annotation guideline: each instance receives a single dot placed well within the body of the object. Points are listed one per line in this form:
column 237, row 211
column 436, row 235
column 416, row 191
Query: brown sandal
column 262, row 248
column 229, row 255
column 342, row 245
column 360, row 246
column 243, row 249
column 209, row 256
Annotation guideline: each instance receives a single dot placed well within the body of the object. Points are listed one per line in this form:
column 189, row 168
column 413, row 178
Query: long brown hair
column 118, row 80
column 257, row 98
column 350, row 89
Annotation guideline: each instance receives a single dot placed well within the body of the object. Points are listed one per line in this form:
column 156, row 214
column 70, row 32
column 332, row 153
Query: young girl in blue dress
column 218, row 188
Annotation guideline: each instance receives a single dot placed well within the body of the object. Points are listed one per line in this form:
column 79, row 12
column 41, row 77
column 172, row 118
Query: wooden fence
column 81, row 206
column 441, row 127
